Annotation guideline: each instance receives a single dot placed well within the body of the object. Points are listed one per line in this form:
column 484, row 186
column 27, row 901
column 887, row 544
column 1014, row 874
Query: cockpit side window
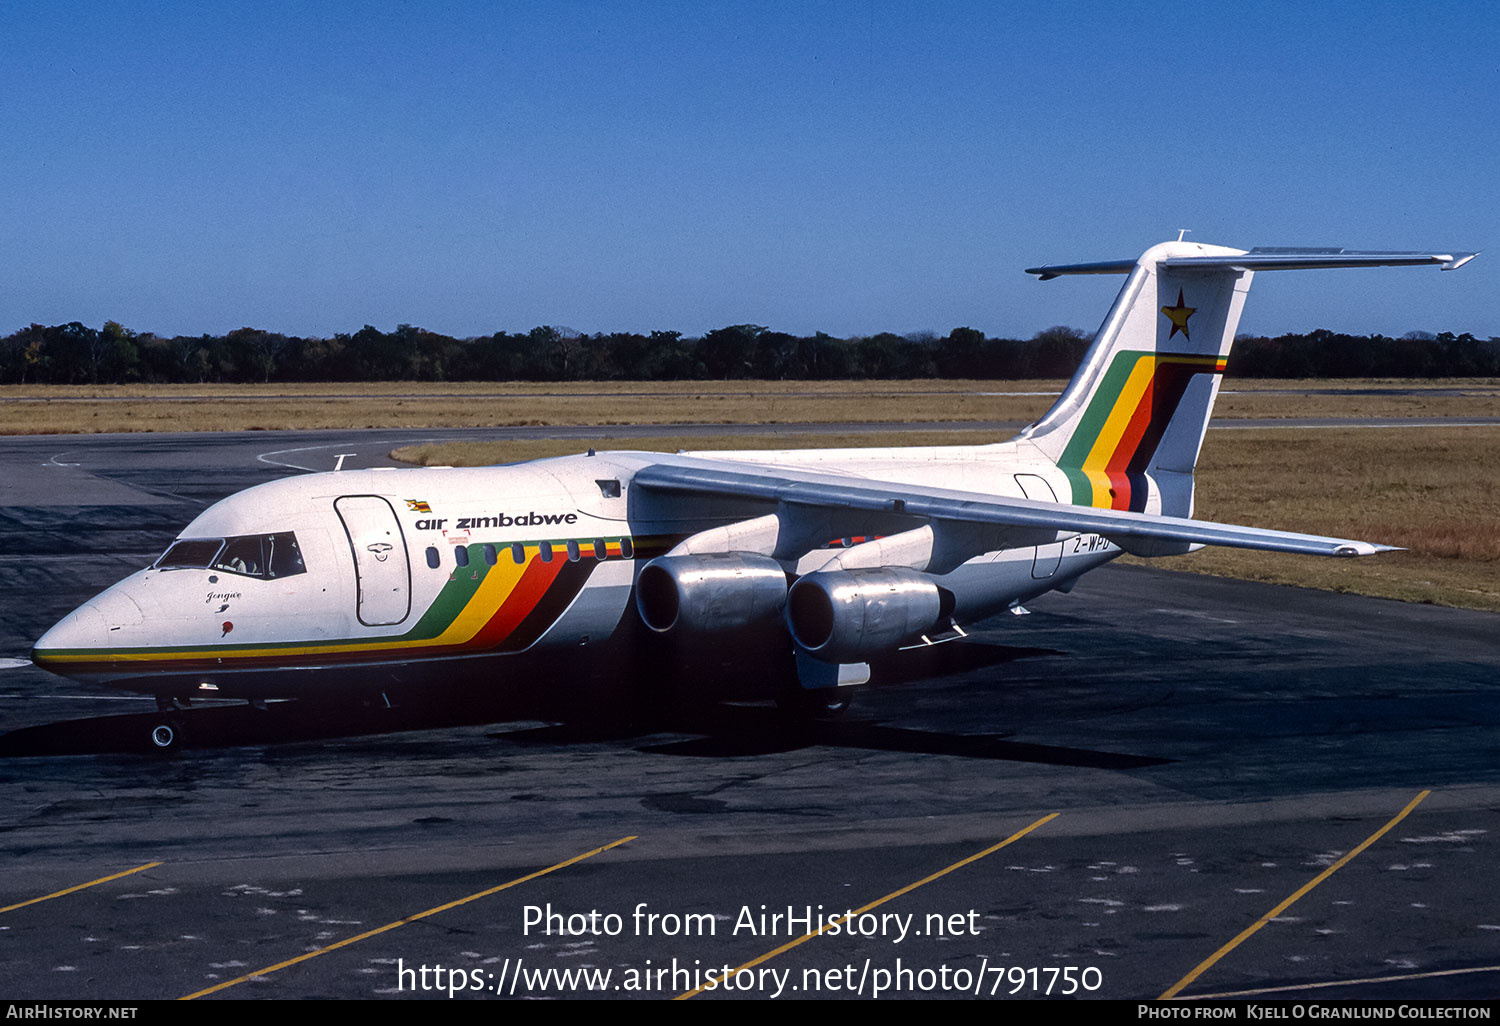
column 283, row 556
column 267, row 556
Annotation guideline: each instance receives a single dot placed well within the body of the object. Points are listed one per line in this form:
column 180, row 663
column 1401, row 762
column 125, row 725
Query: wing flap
column 704, row 477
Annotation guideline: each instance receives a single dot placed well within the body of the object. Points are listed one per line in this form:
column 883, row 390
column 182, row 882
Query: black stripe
column 554, row 602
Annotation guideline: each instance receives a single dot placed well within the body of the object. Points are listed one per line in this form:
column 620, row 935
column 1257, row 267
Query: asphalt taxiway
column 1126, row 782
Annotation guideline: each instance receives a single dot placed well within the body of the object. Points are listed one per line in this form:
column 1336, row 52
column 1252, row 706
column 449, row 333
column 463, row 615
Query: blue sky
column 843, row 167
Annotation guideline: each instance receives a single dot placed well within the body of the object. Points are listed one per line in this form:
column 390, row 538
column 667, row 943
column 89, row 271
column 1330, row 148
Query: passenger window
column 546, row 551
column 518, row 553
column 627, row 548
column 573, row 552
column 601, row 550
column 461, row 555
column 489, row 555
column 434, row 560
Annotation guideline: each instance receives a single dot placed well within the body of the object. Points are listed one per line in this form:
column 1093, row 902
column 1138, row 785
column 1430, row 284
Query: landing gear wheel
column 165, row 737
column 815, row 703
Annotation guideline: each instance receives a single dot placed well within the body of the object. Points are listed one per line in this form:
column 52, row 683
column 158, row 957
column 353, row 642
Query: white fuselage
column 411, row 567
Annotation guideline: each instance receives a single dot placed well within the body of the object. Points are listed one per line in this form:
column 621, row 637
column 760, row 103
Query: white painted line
column 266, row 457
column 13, row 664
column 90, row 698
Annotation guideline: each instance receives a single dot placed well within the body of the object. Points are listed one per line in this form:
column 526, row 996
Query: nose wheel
column 164, row 737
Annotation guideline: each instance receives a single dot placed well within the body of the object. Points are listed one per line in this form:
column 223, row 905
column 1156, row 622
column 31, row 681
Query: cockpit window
column 267, row 556
column 198, row 552
column 283, row 557
column 243, row 556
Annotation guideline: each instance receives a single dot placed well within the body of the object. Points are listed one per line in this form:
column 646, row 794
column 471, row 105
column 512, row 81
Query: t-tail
column 1128, row 427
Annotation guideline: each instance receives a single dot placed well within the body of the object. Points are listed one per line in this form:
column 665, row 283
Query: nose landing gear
column 165, row 735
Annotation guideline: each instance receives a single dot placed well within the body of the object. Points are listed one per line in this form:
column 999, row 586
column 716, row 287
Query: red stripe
column 534, row 582
column 1130, row 440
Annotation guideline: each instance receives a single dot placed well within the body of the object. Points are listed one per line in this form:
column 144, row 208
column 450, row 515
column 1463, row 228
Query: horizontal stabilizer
column 1270, row 259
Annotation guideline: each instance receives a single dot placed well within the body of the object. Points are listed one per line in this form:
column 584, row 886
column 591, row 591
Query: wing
column 685, row 475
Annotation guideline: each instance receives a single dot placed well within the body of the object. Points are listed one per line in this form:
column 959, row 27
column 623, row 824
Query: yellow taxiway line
column 402, row 922
column 79, row 887
column 874, row 904
column 1250, row 930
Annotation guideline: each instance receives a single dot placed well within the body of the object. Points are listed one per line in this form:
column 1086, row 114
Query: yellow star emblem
column 1179, row 315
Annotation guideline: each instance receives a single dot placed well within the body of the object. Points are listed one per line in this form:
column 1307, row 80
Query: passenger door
column 381, row 571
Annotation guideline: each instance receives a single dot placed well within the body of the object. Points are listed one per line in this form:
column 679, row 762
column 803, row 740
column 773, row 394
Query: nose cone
column 82, row 629
column 88, row 633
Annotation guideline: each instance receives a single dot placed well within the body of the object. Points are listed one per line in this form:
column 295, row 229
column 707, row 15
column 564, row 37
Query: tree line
column 74, row 353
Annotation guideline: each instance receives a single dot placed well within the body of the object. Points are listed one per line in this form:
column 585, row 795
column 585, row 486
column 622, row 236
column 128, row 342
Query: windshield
column 192, row 553
column 267, row 556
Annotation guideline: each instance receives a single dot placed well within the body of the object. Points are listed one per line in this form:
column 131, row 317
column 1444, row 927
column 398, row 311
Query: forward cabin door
column 381, row 569
column 1047, row 556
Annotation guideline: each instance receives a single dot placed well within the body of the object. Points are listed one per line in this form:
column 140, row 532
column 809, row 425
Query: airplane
column 803, row 565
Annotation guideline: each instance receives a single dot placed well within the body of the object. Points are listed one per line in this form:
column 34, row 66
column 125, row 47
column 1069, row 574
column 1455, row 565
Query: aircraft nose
column 90, row 626
column 84, row 627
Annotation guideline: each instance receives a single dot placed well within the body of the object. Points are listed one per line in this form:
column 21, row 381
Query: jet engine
column 848, row 616
column 710, row 592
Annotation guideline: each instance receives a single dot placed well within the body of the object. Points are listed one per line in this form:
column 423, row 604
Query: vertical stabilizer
column 1128, row 427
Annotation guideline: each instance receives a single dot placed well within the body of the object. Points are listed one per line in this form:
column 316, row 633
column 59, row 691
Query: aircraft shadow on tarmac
column 723, row 731
column 745, row 731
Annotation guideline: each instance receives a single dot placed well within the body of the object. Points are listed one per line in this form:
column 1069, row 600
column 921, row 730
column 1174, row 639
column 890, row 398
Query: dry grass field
column 1434, row 491
column 26, row 409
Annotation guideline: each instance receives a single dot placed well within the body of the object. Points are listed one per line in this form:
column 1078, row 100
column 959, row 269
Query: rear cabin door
column 1047, row 556
column 380, row 565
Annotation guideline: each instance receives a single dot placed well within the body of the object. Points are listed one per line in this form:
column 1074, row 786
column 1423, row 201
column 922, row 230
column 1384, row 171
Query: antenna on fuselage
column 1181, row 232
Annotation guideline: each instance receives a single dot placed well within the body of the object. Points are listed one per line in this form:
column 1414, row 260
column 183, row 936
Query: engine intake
column 710, row 592
column 844, row 616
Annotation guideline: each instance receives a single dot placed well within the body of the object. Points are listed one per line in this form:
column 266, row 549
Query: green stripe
column 1083, row 488
column 451, row 600
column 1081, row 443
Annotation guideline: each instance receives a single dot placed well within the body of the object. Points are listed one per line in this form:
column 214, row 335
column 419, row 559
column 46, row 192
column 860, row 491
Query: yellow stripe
column 497, row 585
column 402, row 922
column 78, row 887
column 875, row 904
column 1245, row 934
column 1115, row 425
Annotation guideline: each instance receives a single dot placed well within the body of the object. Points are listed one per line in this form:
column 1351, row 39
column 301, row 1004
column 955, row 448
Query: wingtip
column 1358, row 548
